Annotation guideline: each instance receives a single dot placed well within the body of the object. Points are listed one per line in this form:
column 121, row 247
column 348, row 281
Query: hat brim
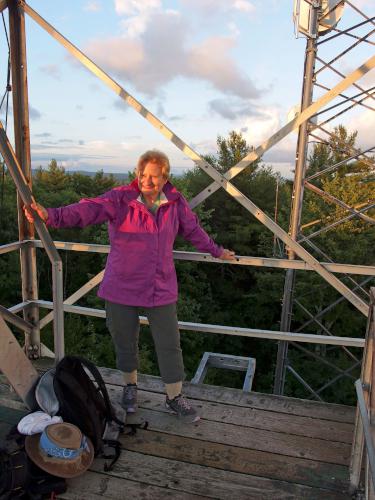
column 57, row 466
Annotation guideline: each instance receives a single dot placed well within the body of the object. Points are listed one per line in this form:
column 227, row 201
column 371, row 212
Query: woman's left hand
column 227, row 255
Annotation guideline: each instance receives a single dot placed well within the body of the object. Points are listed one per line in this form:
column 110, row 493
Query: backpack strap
column 116, row 446
column 101, row 385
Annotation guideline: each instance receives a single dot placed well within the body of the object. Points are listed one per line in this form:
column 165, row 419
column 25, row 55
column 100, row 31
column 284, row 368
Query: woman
column 144, row 219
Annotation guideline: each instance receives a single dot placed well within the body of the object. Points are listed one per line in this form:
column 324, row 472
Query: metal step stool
column 228, row 362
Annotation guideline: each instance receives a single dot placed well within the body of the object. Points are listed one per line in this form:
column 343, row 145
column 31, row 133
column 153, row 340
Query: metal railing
column 364, row 432
column 68, row 303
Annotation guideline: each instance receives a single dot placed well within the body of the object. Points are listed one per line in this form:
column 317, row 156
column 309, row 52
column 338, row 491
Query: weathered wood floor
column 247, row 446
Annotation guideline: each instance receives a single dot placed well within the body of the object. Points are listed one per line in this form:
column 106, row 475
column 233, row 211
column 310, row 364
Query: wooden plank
column 253, row 418
column 255, row 439
column 10, row 415
column 235, row 459
column 16, row 366
column 10, row 399
column 205, row 392
column 207, row 481
column 95, row 486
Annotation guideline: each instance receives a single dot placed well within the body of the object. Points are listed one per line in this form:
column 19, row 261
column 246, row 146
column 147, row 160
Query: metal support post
column 22, row 150
column 297, row 198
column 23, row 189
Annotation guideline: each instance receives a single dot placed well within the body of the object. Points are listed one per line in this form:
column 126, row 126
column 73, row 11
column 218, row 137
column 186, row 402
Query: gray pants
column 123, row 324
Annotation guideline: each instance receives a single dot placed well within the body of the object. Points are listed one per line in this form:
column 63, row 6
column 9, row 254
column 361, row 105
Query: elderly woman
column 144, row 219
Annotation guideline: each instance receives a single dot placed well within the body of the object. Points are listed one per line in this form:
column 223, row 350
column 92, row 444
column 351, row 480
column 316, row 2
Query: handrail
column 310, row 338
column 365, row 423
column 366, row 428
column 242, row 260
column 68, row 306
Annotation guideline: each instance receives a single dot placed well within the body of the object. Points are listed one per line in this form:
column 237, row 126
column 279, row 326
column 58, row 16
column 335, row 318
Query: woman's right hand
column 39, row 209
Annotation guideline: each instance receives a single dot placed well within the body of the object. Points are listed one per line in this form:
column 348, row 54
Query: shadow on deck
column 247, row 446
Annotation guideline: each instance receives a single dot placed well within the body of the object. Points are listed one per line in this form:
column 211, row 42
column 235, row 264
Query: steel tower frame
column 18, row 163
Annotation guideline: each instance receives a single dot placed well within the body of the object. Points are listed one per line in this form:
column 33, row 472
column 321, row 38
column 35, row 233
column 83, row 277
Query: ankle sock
column 173, row 390
column 130, row 377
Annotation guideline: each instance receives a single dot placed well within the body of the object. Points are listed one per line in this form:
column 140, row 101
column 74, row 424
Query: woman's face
column 151, row 180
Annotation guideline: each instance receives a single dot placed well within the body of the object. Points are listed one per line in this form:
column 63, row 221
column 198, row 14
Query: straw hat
column 61, row 449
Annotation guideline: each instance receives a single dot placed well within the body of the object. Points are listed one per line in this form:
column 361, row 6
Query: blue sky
column 204, row 67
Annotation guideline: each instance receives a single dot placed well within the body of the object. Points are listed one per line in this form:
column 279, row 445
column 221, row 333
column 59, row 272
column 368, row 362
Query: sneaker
column 181, row 407
column 129, row 398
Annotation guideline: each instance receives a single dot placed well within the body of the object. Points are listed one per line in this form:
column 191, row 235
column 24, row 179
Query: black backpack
column 20, row 477
column 87, row 405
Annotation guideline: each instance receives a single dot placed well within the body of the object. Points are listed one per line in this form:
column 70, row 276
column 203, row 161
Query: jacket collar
column 169, row 191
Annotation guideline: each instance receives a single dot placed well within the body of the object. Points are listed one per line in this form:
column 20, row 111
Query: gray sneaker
column 181, row 407
column 129, row 398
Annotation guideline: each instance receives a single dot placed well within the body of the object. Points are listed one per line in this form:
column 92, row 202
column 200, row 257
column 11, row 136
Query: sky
column 203, row 67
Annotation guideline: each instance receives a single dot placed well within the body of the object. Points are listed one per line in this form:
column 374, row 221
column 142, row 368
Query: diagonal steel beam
column 325, row 256
column 343, row 76
column 334, row 224
column 368, row 93
column 74, row 297
column 183, row 146
column 348, row 49
column 336, row 201
column 303, row 382
column 322, row 360
column 347, row 32
column 219, row 179
column 335, row 379
column 15, row 320
column 324, row 328
column 25, row 193
column 337, row 165
column 360, row 12
column 330, row 306
column 289, row 127
column 346, row 97
column 348, row 149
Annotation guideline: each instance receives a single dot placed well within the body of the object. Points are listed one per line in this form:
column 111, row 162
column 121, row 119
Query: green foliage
column 232, row 295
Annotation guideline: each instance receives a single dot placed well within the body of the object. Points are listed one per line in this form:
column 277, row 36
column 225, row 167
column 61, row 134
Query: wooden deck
column 247, row 446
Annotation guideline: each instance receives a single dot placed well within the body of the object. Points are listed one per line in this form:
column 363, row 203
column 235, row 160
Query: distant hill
column 117, row 175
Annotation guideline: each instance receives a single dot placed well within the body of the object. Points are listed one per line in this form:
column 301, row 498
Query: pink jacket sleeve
column 190, row 229
column 87, row 211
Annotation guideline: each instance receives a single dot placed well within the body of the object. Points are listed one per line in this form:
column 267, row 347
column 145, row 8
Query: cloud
column 161, row 113
column 34, row 114
column 121, row 105
column 51, row 70
column 162, row 53
column 210, row 7
column 233, row 108
column 138, row 14
column 364, row 123
column 43, row 134
column 92, row 6
column 132, row 7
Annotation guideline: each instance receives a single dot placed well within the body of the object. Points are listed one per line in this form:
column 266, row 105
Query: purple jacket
column 140, row 269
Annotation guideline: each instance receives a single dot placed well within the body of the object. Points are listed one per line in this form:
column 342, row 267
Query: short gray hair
column 154, row 156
